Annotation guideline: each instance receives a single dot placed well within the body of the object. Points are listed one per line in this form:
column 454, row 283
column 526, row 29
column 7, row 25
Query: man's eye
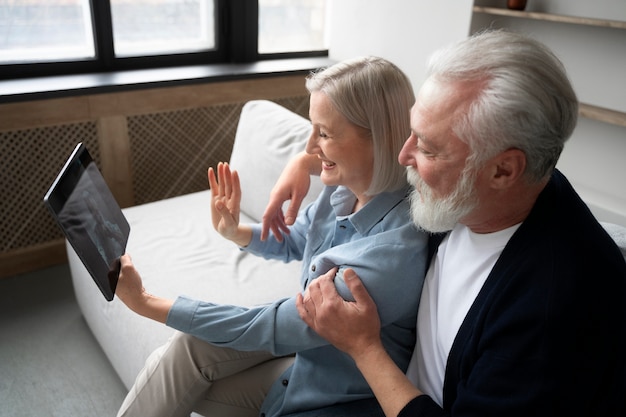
column 423, row 151
column 323, row 135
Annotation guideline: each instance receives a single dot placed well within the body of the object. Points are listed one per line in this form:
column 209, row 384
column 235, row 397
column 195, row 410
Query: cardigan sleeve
column 422, row 406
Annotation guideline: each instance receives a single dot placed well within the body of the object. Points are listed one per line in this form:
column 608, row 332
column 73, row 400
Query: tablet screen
column 90, row 218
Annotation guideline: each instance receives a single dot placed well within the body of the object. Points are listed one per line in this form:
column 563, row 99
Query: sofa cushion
column 618, row 233
column 268, row 135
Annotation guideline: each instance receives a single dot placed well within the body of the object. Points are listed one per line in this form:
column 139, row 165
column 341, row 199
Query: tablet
column 90, row 218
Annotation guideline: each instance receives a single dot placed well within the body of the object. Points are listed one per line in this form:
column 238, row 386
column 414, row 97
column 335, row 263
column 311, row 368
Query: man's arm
column 354, row 327
column 293, row 184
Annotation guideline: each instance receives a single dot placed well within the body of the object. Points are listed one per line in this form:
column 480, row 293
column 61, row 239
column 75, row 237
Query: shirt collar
column 342, row 200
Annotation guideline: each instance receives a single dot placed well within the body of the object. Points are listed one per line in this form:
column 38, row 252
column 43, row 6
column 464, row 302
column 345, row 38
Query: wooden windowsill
column 27, row 89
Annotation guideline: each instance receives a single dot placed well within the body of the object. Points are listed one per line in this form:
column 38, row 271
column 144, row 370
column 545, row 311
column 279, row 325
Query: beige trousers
column 187, row 374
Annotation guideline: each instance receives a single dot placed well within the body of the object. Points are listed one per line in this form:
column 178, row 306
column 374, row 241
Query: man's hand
column 350, row 326
column 292, row 185
column 354, row 327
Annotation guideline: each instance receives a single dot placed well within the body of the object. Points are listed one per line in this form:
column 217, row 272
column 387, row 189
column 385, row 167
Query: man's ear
column 509, row 167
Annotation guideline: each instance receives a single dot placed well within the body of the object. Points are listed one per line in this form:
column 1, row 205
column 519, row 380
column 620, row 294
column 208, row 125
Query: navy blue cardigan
column 546, row 335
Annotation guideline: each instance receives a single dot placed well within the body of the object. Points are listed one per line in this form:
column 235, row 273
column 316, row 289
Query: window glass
column 152, row 27
column 292, row 26
column 45, row 30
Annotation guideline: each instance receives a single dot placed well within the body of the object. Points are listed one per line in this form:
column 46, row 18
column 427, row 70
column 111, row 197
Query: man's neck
column 504, row 209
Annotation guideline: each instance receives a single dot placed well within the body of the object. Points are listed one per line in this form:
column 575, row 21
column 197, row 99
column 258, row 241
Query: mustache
column 440, row 214
column 413, row 178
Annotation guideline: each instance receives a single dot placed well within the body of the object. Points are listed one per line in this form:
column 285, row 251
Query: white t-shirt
column 456, row 275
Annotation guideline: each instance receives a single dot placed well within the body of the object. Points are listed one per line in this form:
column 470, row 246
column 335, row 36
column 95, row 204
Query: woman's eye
column 323, row 135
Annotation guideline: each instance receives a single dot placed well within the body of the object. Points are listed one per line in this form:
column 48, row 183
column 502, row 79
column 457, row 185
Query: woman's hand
column 293, row 185
column 131, row 292
column 225, row 204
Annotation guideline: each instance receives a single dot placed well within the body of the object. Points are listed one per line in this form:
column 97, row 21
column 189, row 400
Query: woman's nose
column 311, row 145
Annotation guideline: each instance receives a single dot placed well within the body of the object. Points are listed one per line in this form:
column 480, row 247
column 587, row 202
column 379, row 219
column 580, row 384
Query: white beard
column 440, row 215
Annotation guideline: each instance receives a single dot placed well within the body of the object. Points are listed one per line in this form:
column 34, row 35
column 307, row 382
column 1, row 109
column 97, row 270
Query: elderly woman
column 237, row 361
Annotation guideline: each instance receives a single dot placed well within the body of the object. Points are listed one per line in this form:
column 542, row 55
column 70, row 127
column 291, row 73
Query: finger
column 302, row 311
column 226, row 180
column 356, row 287
column 292, row 210
column 272, row 211
column 277, row 226
column 294, row 206
column 326, row 284
column 314, row 297
column 236, row 189
column 212, row 182
column 280, row 225
column 125, row 260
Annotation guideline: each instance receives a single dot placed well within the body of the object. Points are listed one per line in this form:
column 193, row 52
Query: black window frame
column 236, row 42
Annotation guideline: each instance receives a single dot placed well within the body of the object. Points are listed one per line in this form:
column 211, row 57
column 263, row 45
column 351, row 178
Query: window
column 152, row 27
column 45, row 31
column 291, row 26
column 51, row 37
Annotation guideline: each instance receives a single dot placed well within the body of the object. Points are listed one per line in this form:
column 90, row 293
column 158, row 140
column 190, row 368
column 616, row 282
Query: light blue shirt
column 386, row 251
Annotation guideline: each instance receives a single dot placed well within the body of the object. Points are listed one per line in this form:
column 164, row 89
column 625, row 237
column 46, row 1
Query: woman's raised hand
column 225, row 204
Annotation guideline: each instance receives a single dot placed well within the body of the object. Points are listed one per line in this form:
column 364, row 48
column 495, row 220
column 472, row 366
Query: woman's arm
column 354, row 327
column 132, row 293
column 293, row 184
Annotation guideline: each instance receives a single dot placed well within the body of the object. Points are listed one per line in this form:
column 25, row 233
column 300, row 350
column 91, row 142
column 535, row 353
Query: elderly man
column 523, row 309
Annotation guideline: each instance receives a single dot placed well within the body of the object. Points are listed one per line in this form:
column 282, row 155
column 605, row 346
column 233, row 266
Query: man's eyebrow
column 421, row 137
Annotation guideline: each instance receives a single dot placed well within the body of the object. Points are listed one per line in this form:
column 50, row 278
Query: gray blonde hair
column 525, row 99
column 376, row 95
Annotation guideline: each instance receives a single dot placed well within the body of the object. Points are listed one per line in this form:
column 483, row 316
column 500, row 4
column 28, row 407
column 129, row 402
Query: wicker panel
column 299, row 104
column 171, row 151
column 31, row 160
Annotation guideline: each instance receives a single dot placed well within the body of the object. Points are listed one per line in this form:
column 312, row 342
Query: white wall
column 407, row 31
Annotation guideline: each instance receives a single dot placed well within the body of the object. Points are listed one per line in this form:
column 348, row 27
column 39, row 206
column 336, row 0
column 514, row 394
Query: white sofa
column 177, row 251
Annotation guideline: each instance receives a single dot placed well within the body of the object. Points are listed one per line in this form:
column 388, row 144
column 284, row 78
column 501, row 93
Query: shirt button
column 313, row 268
column 285, row 382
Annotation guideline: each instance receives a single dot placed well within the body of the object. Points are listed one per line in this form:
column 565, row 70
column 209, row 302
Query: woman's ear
column 509, row 167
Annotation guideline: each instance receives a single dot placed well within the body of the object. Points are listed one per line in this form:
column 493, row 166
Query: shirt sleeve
column 276, row 327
